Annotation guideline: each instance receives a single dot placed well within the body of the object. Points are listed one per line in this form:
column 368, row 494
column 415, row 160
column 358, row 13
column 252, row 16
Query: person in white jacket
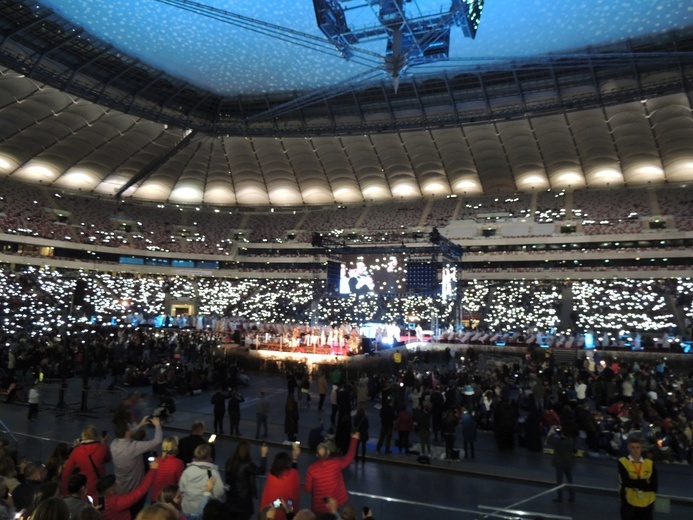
column 194, row 480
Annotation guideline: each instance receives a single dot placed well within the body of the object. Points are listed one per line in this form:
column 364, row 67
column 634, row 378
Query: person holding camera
column 563, row 457
column 283, row 482
column 240, row 476
column 127, row 456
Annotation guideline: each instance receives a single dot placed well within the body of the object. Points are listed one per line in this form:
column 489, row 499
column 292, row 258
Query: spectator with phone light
column 127, row 455
column 240, row 474
column 187, row 445
column 77, row 499
column 194, row 479
column 563, row 459
column 283, row 481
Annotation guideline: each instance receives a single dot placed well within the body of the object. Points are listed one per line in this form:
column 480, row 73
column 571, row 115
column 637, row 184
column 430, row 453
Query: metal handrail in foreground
column 515, row 510
column 6, row 430
column 427, row 505
column 503, row 513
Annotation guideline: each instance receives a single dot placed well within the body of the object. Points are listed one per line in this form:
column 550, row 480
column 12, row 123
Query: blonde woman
column 90, row 455
column 170, row 466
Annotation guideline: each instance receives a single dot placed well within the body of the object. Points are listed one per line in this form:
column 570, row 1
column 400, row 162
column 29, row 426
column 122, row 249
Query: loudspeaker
column 316, row 240
column 367, row 345
column 80, row 292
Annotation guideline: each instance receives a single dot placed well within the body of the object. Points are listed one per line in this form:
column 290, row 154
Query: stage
column 326, row 354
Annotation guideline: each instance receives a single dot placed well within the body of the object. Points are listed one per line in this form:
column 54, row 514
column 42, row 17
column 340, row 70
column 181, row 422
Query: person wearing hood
column 194, row 480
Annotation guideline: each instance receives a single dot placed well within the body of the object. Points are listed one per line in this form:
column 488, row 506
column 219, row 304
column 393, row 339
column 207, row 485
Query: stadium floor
column 492, row 479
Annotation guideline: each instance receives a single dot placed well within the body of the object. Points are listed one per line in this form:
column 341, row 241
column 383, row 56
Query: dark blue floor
column 492, row 479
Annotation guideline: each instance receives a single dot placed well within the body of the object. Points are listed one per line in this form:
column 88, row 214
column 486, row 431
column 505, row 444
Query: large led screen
column 448, row 282
column 372, row 273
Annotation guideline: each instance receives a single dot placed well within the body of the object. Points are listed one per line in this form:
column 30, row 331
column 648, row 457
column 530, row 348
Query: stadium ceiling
column 188, row 102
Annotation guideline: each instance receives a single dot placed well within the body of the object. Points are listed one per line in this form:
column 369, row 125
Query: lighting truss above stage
column 416, row 32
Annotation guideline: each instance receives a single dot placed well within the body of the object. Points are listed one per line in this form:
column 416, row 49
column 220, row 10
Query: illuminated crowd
column 40, row 299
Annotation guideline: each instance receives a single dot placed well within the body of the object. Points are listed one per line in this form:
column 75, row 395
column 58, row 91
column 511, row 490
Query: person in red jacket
column 170, row 467
column 90, row 457
column 324, row 476
column 114, row 506
column 283, row 482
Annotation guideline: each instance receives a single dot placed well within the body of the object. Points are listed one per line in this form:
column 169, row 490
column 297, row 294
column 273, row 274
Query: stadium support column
column 78, row 297
column 566, row 307
column 63, row 362
column 459, row 310
column 86, row 364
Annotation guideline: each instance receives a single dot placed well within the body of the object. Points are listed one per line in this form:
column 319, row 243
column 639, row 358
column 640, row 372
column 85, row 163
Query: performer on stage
column 361, row 281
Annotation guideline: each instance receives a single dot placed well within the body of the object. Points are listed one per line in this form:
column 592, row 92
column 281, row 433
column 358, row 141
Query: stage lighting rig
column 450, row 251
column 415, row 35
column 317, row 240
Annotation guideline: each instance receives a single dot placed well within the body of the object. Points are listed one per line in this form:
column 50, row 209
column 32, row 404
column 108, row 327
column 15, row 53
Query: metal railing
column 592, row 502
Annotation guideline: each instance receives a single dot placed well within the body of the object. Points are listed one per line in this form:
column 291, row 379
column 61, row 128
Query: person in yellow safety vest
column 638, row 483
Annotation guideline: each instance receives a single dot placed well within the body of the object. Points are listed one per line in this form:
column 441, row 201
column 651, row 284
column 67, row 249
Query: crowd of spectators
column 40, row 299
column 342, row 217
column 42, row 212
column 271, row 227
column 599, row 401
column 395, row 215
column 111, row 476
column 551, row 206
column 602, row 205
column 441, row 212
column 516, row 205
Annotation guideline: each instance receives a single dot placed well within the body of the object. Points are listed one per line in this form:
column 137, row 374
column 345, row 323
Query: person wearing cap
column 116, row 506
column 637, row 483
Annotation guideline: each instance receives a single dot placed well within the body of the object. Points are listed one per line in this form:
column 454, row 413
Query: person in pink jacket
column 170, row 467
column 116, row 506
column 324, row 476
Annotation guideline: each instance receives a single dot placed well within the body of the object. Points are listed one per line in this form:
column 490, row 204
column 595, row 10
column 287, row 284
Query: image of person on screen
column 361, row 282
column 344, row 276
column 449, row 278
column 387, row 277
